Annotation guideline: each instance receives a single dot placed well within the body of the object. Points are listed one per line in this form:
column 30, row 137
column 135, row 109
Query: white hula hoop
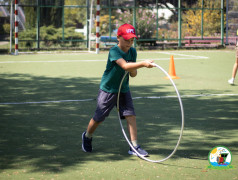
column 182, row 116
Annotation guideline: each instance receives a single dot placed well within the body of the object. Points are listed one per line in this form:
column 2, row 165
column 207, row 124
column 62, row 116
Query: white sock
column 134, row 143
column 88, row 135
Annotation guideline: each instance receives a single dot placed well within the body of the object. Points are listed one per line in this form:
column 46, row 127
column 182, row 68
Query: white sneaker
column 231, row 81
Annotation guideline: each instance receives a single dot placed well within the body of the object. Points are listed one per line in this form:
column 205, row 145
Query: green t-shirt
column 113, row 74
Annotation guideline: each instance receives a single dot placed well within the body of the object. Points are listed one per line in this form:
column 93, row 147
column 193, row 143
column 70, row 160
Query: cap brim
column 129, row 36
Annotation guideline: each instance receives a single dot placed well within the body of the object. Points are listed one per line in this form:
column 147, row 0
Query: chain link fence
column 232, row 22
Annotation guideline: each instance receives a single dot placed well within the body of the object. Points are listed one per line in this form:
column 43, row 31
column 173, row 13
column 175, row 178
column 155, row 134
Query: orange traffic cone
column 172, row 72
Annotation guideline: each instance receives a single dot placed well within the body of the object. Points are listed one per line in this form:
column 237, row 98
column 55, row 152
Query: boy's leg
column 92, row 126
column 234, row 71
column 105, row 103
column 132, row 129
column 87, row 136
column 235, row 68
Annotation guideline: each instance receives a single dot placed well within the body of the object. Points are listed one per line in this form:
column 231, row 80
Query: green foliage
column 75, row 16
column 6, row 28
column 49, row 35
column 146, row 23
column 192, row 20
column 27, row 34
column 169, row 32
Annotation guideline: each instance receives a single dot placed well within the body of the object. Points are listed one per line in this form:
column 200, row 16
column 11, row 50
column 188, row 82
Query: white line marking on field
column 98, row 60
column 186, row 55
column 185, row 96
column 183, row 57
column 56, row 61
column 166, row 59
column 46, row 102
column 148, row 97
column 59, row 53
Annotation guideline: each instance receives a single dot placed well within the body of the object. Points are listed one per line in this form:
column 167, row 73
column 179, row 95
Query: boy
column 121, row 58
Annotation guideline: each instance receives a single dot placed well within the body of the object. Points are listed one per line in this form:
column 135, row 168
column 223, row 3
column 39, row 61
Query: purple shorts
column 106, row 101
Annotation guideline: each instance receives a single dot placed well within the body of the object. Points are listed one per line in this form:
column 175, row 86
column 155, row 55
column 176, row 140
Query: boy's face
column 125, row 44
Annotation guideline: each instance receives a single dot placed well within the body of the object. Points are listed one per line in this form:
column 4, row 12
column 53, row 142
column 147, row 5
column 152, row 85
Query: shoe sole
column 133, row 153
column 82, row 142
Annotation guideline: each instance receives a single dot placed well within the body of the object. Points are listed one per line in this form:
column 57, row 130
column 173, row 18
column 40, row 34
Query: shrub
column 49, row 35
column 6, row 28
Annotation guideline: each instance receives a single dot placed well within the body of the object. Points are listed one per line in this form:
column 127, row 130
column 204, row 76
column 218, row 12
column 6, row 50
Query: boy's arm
column 133, row 66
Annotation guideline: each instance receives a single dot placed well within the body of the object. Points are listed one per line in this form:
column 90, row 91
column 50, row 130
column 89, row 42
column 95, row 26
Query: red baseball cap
column 127, row 31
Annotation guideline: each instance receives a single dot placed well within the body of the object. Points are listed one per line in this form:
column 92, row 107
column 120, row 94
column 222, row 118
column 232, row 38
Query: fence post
column 38, row 26
column 63, row 22
column 16, row 27
column 179, row 24
column 98, row 27
column 89, row 23
column 157, row 20
column 11, row 19
column 222, row 22
column 134, row 19
column 202, row 19
column 227, row 10
column 110, row 21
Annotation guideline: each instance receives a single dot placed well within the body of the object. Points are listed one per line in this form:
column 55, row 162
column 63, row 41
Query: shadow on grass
column 47, row 137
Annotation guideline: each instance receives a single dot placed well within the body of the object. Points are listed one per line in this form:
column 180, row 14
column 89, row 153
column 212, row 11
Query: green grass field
column 46, row 102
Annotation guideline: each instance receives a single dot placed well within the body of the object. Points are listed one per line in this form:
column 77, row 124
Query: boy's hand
column 149, row 63
column 133, row 73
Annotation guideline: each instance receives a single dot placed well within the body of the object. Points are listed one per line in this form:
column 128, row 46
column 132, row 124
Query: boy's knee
column 130, row 118
column 98, row 118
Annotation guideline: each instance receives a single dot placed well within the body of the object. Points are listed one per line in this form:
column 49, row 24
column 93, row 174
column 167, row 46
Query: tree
column 192, row 19
column 51, row 13
column 165, row 3
column 75, row 16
